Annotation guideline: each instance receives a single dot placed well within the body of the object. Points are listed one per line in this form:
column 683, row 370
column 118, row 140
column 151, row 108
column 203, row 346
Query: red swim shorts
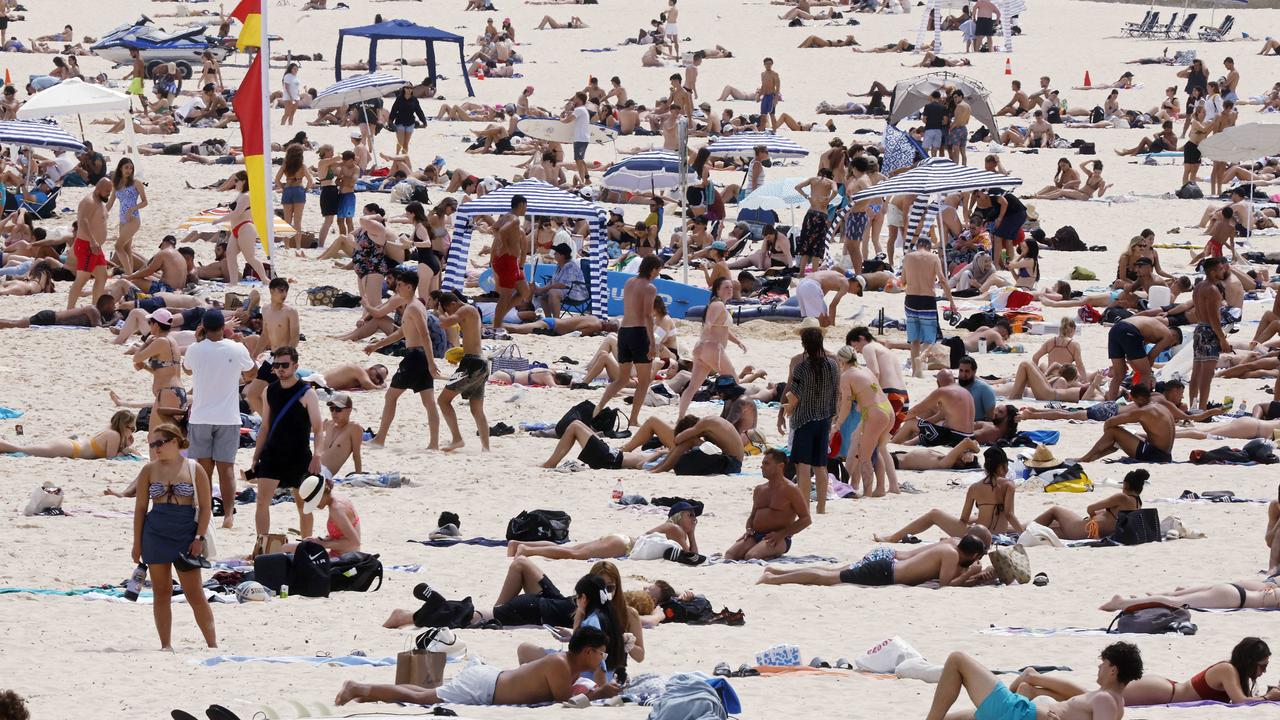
column 507, row 273
column 86, row 261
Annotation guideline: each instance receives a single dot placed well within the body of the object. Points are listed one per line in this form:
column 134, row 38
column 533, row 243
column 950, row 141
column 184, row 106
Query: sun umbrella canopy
column 744, row 144
column 938, row 175
column 73, row 96
column 646, row 171
column 37, row 134
column 358, row 88
column 1242, row 143
column 775, row 195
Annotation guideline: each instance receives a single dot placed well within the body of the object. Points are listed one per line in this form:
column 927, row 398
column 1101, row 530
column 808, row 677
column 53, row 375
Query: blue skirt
column 167, row 532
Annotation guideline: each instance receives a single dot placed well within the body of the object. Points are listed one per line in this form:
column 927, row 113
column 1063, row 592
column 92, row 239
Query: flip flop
column 1040, row 580
column 722, row 670
column 843, row 664
column 182, row 715
column 217, row 712
column 745, row 670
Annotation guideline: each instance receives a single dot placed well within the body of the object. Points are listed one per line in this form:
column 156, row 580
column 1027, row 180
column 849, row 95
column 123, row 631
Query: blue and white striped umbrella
column 744, row 144
column 358, row 88
column 937, row 175
column 644, row 172
column 37, row 134
column 775, row 195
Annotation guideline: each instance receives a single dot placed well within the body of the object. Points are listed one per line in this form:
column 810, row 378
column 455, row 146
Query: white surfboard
column 556, row 131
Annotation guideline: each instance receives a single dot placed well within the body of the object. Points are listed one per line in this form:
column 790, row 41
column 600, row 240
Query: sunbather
column 993, row 496
column 1228, row 596
column 1100, row 518
column 115, row 441
column 672, row 539
column 943, row 562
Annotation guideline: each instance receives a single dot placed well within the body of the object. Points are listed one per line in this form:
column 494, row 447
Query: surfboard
column 678, row 296
column 554, row 130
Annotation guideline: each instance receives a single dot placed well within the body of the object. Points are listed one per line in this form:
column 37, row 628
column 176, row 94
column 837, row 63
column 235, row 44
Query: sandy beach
column 76, row 657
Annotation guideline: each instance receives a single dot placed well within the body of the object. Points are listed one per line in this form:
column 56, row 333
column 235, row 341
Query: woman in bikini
column 1099, row 520
column 1140, row 246
column 1024, row 272
column 993, row 497
column 423, row 243
column 1170, row 108
column 1252, row 595
column 1231, row 681
column 870, row 456
column 244, row 236
column 328, row 189
column 709, row 353
column 132, row 196
column 1094, row 185
column 1061, row 349
column 210, row 71
column 115, row 441
column 1064, row 177
column 342, row 526
column 39, row 281
column 161, row 357
column 1244, row 428
column 295, row 180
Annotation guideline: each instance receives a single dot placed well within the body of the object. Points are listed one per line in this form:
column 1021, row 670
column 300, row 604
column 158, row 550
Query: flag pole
column 268, row 196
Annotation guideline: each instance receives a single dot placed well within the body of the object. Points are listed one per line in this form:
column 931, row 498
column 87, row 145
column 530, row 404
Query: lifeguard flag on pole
column 249, row 13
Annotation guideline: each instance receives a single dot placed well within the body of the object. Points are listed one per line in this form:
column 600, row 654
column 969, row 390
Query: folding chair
column 1136, row 29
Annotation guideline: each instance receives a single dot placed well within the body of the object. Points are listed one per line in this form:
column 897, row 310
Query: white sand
column 76, row 658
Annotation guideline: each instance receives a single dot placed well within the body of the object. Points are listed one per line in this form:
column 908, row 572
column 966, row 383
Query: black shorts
column 1190, row 153
column 1146, row 452
column 428, row 257
column 414, row 373
column 548, row 606
column 599, row 456
column 328, row 200
column 932, row 435
column 265, row 372
column 287, row 470
column 875, row 568
column 1124, row 340
column 45, row 317
column 1273, row 411
column 984, row 27
column 633, row 345
column 580, row 151
column 4, row 23
column 697, row 462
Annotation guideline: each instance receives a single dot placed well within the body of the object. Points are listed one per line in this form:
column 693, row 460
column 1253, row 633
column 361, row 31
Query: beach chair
column 45, row 210
column 583, row 306
column 1212, row 34
column 1134, row 29
column 756, row 220
column 1184, row 30
column 1162, row 29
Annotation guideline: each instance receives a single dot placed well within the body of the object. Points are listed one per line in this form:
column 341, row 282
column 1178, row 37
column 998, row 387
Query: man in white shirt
column 581, row 120
column 213, row 427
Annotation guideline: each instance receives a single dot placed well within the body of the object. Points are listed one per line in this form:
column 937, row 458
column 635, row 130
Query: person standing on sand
column 86, row 251
column 812, row 247
column 509, row 246
column 282, row 456
column 244, row 234
column 921, row 270
column 958, row 131
column 770, row 93
column 1208, row 341
column 473, row 370
column 672, row 28
column 342, row 438
column 580, row 118
column 417, row 371
column 280, row 328
column 636, row 344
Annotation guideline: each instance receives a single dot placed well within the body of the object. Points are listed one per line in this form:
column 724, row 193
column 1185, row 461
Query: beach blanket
column 1215, row 703
column 784, row 560
column 9, row 413
column 481, row 541
column 343, row 660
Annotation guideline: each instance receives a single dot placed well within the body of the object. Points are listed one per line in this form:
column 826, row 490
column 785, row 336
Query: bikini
column 177, row 490
column 235, row 231
column 1201, row 686
column 93, row 445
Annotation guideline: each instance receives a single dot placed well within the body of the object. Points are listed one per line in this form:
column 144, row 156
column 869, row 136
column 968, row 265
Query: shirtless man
column 958, row 133
column 949, row 565
column 812, row 246
column 679, row 95
column 342, row 438
column 1156, row 420
column 769, row 93
column 86, row 251
column 1127, row 341
column 84, row 316
column 280, row 328
column 595, row 453
column 417, row 371
column 882, row 363
column 587, row 326
column 944, row 417
column 509, row 246
column 672, row 29
column 548, row 679
column 856, row 217
column 171, row 266
column 778, row 512
column 636, row 344
column 1121, row 664
column 1018, row 104
column 1208, row 341
column 921, row 271
column 686, row 458
column 345, row 176
column 812, row 290
column 350, row 376
column 473, row 370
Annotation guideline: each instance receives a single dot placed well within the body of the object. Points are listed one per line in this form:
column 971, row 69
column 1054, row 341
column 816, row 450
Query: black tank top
column 290, row 429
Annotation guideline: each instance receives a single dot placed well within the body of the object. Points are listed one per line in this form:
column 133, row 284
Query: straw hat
column 1043, row 457
column 809, row 322
column 1031, row 212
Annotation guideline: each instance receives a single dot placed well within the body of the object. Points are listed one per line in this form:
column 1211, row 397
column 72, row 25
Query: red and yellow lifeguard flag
column 249, row 109
column 249, row 13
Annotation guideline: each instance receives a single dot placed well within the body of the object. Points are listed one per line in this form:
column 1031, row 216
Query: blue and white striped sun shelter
column 358, row 88
column 38, row 134
column 544, row 200
column 744, row 144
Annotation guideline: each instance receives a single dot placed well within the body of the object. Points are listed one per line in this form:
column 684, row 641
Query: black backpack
column 438, row 612
column 355, row 572
column 539, row 525
column 273, row 570
column 1068, row 240
column 310, row 574
column 606, row 422
column 1190, row 191
column 1153, row 619
column 695, row 611
column 1136, row 527
column 980, row 319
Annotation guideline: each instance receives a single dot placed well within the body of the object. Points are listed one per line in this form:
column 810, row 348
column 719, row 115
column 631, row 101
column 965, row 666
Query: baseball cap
column 213, row 320
column 356, row 135
column 719, row 245
column 162, row 316
column 616, row 210
column 340, row 400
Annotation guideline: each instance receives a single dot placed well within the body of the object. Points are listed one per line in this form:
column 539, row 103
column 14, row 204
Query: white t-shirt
column 292, row 88
column 62, row 164
column 215, row 381
column 581, row 125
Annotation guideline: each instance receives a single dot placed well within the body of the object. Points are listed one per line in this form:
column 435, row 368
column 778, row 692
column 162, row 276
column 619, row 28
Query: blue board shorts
column 1004, row 704
column 346, row 205
column 768, row 103
column 922, row 318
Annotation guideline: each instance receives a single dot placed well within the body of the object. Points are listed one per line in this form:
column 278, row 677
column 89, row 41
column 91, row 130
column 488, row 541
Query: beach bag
column 510, row 359
column 606, row 422
column 1136, row 527
column 1190, row 191
column 694, row 611
column 1152, row 619
column 1068, row 240
column 886, row 655
column 310, row 570
column 1087, row 149
column 1115, row 314
column 438, row 612
column 420, row 666
column 1011, row 564
column 346, row 300
column 1070, row 479
column 269, row 543
column 1089, row 315
column 550, row 525
column 355, row 572
column 980, row 319
column 322, row 295
column 273, row 570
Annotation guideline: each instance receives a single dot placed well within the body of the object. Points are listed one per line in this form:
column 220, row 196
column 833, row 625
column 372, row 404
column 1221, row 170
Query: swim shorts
column 813, row 235
column 957, row 136
column 506, row 273
column 159, row 286
column 1124, row 340
column 768, row 103
column 855, row 224
column 1004, row 704
column 329, row 200
column 346, row 205
column 86, row 261
column 811, row 299
column 984, row 27
column 44, row 318
column 1101, row 412
column 1146, row 452
column 901, row 402
column 1205, row 345
column 933, row 435
column 470, row 377
column 875, row 568
column 475, row 685
column 760, row 536
column 633, row 345
column 599, row 456
column 414, row 373
column 697, row 462
column 922, row 318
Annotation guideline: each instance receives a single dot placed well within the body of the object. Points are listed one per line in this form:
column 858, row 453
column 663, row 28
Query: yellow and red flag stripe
column 251, row 109
column 249, row 13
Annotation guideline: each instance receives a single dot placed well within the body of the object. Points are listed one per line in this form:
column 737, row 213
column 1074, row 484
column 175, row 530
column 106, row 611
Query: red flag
column 248, row 107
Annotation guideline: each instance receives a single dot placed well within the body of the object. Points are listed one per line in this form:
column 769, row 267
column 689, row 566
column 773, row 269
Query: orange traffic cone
column 1008, row 67
column 1087, row 83
column 7, row 81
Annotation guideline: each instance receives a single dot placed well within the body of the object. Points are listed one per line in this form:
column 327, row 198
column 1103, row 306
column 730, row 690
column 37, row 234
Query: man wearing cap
column 342, row 438
column 566, row 283
column 168, row 263
column 417, row 371
column 717, row 268
column 778, row 512
column 213, row 423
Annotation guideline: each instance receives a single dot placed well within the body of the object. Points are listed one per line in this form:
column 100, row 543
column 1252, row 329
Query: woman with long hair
column 869, row 446
column 1024, row 270
column 132, row 196
column 810, row 403
column 244, row 235
column 423, row 251
column 161, row 356
column 709, row 352
column 115, row 441
column 404, row 111
column 593, row 607
column 292, row 93
column 328, row 190
column 170, row 524
column 992, row 497
column 699, row 191
column 1065, row 176
column 210, row 71
column 1100, row 518
column 294, row 179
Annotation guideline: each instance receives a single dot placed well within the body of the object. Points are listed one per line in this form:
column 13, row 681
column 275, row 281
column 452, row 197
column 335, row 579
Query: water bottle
column 617, row 492
column 284, row 591
column 134, row 586
column 982, row 345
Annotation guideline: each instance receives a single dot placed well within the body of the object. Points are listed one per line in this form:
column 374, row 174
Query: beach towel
column 1214, row 703
column 9, row 413
column 343, row 660
column 481, row 541
column 784, row 560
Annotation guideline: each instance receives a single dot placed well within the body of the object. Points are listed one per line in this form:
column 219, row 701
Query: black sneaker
column 423, row 591
column 684, row 557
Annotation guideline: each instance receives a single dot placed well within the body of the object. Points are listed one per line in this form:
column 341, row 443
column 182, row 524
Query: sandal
column 722, row 670
column 181, row 715
column 217, row 712
column 1040, row 580
column 745, row 670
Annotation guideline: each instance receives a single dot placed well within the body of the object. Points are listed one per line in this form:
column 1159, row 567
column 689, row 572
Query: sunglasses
column 160, row 443
column 336, row 408
column 281, row 365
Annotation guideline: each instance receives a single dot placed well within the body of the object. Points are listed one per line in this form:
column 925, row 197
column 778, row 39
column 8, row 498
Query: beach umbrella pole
column 682, row 127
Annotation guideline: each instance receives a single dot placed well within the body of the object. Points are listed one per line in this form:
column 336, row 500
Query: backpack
column 1136, row 527
column 694, row 611
column 1190, row 191
column 1088, row 149
column 1096, row 115
column 1068, row 240
column 419, row 195
column 355, row 572
column 1115, row 314
column 606, row 422
column 1153, row 619
column 273, row 570
column 539, row 525
column 346, row 300
column 438, row 612
column 310, row 574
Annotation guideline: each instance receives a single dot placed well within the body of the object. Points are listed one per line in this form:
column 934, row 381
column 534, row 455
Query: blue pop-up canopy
column 402, row 30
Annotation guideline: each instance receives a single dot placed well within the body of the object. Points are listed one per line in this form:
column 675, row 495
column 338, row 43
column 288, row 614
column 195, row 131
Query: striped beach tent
column 358, row 88
column 544, row 200
column 38, row 134
column 744, row 144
